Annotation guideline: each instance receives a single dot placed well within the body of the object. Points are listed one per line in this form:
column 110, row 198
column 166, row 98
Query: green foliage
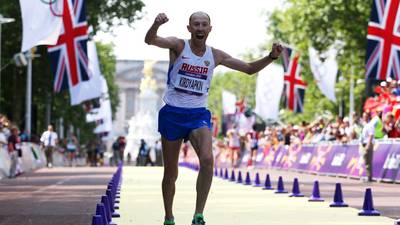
column 240, row 84
column 102, row 15
column 107, row 63
column 322, row 23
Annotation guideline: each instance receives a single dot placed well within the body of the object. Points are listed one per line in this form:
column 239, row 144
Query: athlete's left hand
column 276, row 50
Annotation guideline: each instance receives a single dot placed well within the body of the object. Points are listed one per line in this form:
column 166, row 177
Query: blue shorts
column 175, row 122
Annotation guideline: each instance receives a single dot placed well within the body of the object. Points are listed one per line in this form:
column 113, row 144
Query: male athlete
column 185, row 115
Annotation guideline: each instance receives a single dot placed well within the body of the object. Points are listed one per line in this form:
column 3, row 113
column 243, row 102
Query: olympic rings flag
column 41, row 21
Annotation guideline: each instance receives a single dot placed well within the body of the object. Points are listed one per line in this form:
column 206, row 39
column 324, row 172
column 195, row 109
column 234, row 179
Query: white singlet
column 189, row 79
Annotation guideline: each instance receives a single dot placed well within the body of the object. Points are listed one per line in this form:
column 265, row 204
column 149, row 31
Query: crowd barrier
column 329, row 158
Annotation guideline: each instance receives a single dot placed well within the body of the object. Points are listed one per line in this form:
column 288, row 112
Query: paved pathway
column 229, row 204
column 57, row 196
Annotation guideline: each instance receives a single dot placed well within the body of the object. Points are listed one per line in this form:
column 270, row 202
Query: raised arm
column 152, row 38
column 225, row 59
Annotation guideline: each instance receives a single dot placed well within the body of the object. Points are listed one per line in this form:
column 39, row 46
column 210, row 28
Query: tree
column 320, row 24
column 102, row 15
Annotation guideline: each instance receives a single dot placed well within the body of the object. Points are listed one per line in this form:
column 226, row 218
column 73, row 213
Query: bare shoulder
column 219, row 55
column 176, row 45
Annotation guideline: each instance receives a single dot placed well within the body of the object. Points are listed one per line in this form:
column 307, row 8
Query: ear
column 188, row 28
column 210, row 28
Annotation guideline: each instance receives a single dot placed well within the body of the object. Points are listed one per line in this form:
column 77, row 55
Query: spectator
column 24, row 136
column 367, row 146
column 49, row 141
column 379, row 134
column 3, row 138
column 116, row 152
column 143, row 157
column 185, row 149
column 121, row 146
column 100, row 149
column 14, row 146
column 389, row 126
column 233, row 144
column 72, row 147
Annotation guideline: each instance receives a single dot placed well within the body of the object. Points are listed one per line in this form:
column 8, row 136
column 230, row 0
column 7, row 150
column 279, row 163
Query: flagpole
column 351, row 97
column 28, row 93
column 28, row 112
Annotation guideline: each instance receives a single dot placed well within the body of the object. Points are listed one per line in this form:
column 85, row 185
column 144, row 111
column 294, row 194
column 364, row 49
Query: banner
column 41, row 22
column 228, row 102
column 88, row 89
column 324, row 71
column 269, row 91
column 327, row 158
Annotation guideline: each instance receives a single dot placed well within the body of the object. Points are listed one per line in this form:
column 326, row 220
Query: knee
column 170, row 176
column 207, row 161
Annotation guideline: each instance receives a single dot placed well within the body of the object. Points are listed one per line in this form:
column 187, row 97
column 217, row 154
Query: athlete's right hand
column 161, row 19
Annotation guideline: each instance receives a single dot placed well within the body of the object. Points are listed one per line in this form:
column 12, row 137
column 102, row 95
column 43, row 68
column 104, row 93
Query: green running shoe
column 198, row 219
column 169, row 222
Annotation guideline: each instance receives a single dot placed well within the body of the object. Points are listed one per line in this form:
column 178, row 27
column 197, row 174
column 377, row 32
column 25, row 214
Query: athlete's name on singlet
column 191, row 83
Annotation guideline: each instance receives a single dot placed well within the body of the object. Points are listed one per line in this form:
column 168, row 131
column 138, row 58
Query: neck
column 197, row 47
column 197, row 44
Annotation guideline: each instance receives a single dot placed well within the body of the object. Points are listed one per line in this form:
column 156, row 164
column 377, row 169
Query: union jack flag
column 383, row 48
column 69, row 61
column 294, row 86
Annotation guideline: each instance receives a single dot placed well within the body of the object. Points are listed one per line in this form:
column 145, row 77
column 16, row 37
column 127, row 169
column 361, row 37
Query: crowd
column 380, row 120
column 71, row 151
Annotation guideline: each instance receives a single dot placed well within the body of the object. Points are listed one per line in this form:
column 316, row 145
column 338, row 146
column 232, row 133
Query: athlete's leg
column 201, row 141
column 170, row 151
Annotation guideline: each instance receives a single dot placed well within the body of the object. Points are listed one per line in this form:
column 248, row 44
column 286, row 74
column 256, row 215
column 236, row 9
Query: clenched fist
column 161, row 19
column 276, row 51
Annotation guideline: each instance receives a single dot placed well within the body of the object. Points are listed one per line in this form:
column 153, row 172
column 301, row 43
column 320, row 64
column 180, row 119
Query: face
column 199, row 26
column 15, row 132
column 50, row 128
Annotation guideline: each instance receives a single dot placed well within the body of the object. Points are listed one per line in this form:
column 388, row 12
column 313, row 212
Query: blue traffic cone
column 267, row 183
column 111, row 202
column 296, row 189
column 233, row 179
column 105, row 202
column 221, row 173
column 226, row 176
column 397, row 222
column 315, row 197
column 247, row 181
column 239, row 180
column 338, row 197
column 280, row 188
column 368, row 207
column 101, row 211
column 215, row 171
column 97, row 220
column 257, row 182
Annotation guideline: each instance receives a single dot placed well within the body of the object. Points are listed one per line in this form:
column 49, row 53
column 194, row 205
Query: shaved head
column 200, row 14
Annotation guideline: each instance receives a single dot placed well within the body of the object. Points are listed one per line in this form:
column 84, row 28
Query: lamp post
column 3, row 20
column 30, row 55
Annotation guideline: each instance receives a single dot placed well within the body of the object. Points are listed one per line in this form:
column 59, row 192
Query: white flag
column 325, row 72
column 228, row 102
column 91, row 88
column 104, row 112
column 269, row 91
column 41, row 22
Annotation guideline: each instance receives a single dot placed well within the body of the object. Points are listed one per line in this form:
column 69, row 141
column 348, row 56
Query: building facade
column 129, row 74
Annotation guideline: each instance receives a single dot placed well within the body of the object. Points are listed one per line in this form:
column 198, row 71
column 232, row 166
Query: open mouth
column 200, row 35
